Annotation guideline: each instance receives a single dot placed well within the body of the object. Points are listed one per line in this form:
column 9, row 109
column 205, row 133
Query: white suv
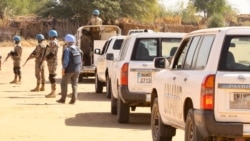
column 205, row 90
column 112, row 45
column 133, row 71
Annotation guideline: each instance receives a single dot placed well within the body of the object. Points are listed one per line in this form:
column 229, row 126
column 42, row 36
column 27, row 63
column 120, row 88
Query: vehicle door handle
column 144, row 65
column 185, row 79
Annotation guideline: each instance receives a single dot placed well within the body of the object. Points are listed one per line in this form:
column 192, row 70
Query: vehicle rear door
column 141, row 68
column 232, row 94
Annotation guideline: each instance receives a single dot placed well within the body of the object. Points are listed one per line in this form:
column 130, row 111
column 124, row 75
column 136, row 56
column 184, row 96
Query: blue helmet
column 39, row 37
column 96, row 12
column 17, row 38
column 70, row 38
column 53, row 33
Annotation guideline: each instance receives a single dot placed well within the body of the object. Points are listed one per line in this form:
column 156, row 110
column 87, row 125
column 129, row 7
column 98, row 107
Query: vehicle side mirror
column 97, row 51
column 161, row 62
column 110, row 56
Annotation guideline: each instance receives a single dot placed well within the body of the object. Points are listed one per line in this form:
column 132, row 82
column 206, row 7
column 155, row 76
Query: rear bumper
column 133, row 97
column 207, row 125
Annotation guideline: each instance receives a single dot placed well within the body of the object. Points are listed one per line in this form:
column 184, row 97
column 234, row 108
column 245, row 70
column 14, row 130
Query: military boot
column 36, row 89
column 52, row 94
column 14, row 81
column 42, row 87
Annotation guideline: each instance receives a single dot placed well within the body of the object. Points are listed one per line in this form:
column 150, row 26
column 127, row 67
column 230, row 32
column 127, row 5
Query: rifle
column 43, row 57
column 32, row 54
column 9, row 54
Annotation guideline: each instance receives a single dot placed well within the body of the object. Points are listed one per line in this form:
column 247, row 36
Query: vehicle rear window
column 149, row 48
column 235, row 55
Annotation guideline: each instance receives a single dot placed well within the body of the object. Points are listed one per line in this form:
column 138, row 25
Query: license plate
column 239, row 100
column 144, row 77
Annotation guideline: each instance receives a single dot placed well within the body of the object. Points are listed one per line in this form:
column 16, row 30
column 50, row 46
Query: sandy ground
column 29, row 116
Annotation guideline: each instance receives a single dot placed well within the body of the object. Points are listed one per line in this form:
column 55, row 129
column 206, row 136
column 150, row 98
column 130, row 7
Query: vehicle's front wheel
column 98, row 85
column 108, row 87
column 122, row 111
column 160, row 131
column 191, row 132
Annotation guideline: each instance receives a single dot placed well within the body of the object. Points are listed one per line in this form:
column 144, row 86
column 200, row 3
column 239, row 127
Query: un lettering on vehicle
column 173, row 100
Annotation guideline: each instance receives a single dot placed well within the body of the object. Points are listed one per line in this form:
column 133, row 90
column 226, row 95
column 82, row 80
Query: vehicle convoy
column 103, row 66
column 205, row 89
column 133, row 71
column 90, row 37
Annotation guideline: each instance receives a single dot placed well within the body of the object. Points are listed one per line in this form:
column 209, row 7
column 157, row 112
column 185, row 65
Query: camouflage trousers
column 39, row 73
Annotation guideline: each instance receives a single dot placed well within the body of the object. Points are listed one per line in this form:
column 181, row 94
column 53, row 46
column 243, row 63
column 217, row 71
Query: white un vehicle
column 133, row 71
column 112, row 45
column 205, row 89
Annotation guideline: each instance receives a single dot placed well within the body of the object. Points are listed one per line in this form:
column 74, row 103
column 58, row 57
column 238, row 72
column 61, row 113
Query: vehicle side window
column 117, row 44
column 191, row 51
column 235, row 54
column 145, row 50
column 105, row 47
column 181, row 53
column 124, row 48
column 204, row 51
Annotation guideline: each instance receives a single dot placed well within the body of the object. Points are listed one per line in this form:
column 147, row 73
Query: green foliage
column 188, row 15
column 210, row 7
column 216, row 20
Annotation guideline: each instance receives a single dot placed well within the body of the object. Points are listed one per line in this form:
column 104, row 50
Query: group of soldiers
column 41, row 53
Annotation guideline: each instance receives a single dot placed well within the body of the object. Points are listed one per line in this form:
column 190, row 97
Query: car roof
column 158, row 34
column 228, row 30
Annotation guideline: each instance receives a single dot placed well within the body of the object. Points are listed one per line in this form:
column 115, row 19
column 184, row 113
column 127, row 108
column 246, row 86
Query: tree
column 188, row 14
column 210, row 7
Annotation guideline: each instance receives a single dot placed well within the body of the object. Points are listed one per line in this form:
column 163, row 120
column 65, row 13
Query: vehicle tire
column 98, row 85
column 160, row 131
column 191, row 132
column 122, row 111
column 108, row 87
column 113, row 105
column 80, row 78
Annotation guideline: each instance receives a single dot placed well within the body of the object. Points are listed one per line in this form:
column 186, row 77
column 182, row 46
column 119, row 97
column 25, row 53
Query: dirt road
column 29, row 116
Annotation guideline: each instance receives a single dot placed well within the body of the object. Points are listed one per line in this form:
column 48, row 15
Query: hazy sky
column 243, row 6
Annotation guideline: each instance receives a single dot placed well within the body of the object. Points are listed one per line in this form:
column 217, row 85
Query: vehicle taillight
column 124, row 74
column 207, row 93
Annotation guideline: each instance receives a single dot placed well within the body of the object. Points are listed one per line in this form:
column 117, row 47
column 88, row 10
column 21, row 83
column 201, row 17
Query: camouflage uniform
column 52, row 61
column 16, row 56
column 39, row 67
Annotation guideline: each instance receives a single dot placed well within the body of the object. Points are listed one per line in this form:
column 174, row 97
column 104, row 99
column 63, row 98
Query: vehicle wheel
column 160, row 131
column 113, row 105
column 80, row 78
column 191, row 132
column 108, row 87
column 98, row 85
column 122, row 111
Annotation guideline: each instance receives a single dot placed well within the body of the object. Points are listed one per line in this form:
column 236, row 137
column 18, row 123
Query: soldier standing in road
column 39, row 67
column 71, row 62
column 16, row 55
column 51, row 58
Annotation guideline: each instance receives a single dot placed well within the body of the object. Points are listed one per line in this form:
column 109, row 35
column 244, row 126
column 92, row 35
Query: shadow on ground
column 106, row 120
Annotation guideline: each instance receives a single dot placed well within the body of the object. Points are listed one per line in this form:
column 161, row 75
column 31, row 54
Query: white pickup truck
column 205, row 89
column 112, row 45
column 90, row 37
column 132, row 74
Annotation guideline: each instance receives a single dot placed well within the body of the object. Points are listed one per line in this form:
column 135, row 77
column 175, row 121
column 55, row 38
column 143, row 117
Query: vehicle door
column 232, row 94
column 101, row 64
